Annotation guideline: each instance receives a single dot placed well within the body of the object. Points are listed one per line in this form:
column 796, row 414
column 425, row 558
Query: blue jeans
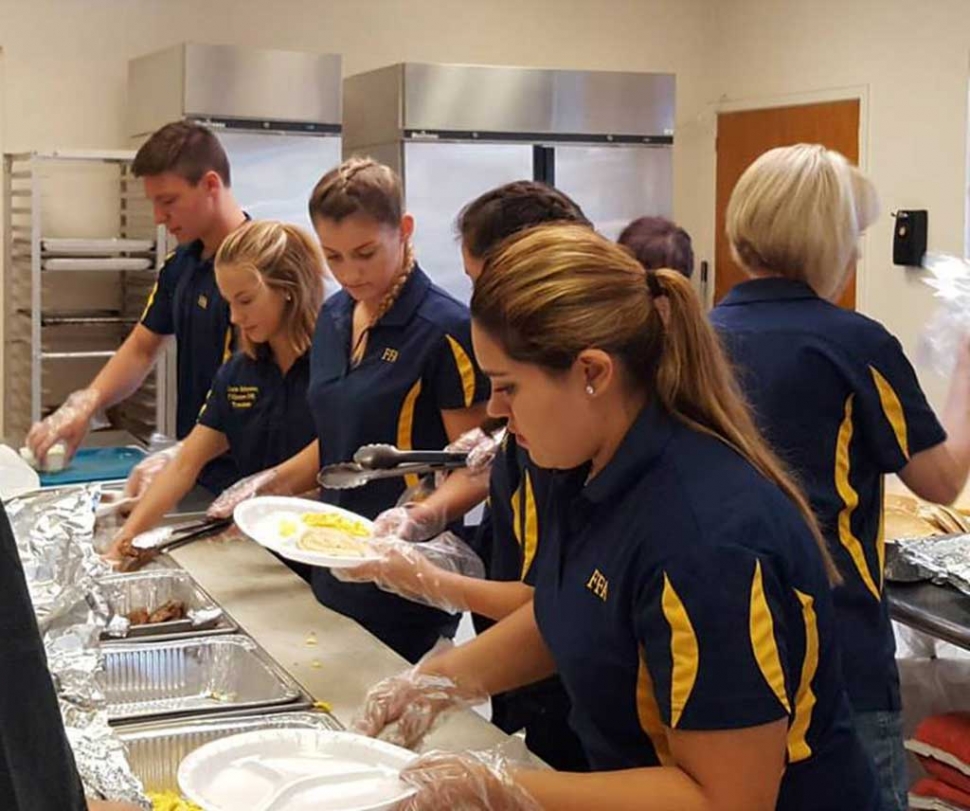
column 881, row 734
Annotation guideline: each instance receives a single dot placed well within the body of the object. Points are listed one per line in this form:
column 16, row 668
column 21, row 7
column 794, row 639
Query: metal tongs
column 373, row 462
column 164, row 538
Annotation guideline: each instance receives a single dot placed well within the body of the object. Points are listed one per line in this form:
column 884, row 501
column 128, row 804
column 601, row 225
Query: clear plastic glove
column 123, row 556
column 468, row 780
column 144, row 473
column 69, row 424
column 403, row 708
column 419, row 572
column 480, row 446
column 246, row 488
column 410, row 522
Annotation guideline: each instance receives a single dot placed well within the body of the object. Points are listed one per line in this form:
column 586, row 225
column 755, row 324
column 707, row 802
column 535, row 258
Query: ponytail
column 550, row 292
column 695, row 383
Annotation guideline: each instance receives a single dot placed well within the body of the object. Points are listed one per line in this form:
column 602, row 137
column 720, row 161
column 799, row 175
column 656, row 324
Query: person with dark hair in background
column 37, row 769
column 186, row 176
column 498, row 214
column 508, row 538
column 656, row 243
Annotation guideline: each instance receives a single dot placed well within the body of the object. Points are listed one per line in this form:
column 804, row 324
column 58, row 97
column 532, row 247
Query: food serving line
column 237, row 644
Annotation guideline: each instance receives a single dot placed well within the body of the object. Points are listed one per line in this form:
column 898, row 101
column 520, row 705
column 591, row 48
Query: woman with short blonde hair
column 799, row 212
column 838, row 399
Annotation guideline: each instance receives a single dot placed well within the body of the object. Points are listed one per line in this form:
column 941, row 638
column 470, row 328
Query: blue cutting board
column 95, row 465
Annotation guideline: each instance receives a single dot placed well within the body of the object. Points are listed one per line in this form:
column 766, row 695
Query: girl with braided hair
column 391, row 362
column 508, row 539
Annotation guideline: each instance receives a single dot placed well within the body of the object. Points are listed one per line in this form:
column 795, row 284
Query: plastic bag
column 946, row 332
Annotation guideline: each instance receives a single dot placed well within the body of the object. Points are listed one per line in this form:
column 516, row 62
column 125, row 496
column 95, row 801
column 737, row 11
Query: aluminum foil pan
column 216, row 674
column 944, row 559
column 150, row 590
column 156, row 750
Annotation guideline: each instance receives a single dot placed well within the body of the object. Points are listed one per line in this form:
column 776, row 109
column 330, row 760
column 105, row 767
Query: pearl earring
column 590, row 390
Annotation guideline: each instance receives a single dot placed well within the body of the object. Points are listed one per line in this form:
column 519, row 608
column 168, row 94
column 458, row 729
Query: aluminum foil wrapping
column 102, row 760
column 55, row 531
column 945, row 559
column 74, row 659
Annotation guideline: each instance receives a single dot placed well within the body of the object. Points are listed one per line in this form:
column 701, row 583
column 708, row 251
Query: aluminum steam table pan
column 156, row 750
column 151, row 590
column 188, row 677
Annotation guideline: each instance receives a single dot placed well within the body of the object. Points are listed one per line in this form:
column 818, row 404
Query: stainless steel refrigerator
column 277, row 113
column 455, row 131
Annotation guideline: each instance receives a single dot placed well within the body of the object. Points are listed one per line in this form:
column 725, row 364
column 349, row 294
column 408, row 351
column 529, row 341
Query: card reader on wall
column 909, row 237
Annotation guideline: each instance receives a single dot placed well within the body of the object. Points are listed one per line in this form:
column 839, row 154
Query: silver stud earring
column 590, row 390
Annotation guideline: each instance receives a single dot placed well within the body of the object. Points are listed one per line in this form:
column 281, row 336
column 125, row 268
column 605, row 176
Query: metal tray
column 156, row 750
column 149, row 590
column 189, row 677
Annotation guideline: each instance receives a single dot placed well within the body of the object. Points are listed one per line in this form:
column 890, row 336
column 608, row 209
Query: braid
column 391, row 296
column 386, row 303
column 508, row 209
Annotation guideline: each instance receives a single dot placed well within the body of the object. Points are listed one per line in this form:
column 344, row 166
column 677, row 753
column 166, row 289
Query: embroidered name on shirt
column 242, row 396
column 390, row 355
column 598, row 584
column 203, row 301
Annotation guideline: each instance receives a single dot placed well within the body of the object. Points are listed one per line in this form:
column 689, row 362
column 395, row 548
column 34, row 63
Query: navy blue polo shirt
column 679, row 589
column 840, row 403
column 418, row 362
column 516, row 487
column 508, row 544
column 185, row 302
column 263, row 413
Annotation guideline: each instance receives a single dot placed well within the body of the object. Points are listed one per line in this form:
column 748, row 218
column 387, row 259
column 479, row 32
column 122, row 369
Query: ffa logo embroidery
column 203, row 301
column 598, row 584
column 390, row 355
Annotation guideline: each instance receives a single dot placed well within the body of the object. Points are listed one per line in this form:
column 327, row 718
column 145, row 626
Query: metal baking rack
column 71, row 298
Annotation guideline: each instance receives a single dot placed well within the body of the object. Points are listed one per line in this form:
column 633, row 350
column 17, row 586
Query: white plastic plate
column 261, row 518
column 295, row 770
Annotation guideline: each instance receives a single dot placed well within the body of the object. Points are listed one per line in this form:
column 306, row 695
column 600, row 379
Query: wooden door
column 743, row 136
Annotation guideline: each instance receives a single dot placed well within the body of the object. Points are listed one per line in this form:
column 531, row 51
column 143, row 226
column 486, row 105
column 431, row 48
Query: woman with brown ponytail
column 683, row 591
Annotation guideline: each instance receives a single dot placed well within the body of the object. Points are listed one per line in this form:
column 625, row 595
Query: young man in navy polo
column 187, row 178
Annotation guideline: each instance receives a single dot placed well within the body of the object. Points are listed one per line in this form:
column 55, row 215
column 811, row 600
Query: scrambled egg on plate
column 170, row 801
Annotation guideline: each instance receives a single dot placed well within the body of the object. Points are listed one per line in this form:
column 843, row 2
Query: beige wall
column 66, row 60
column 65, row 72
column 911, row 61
